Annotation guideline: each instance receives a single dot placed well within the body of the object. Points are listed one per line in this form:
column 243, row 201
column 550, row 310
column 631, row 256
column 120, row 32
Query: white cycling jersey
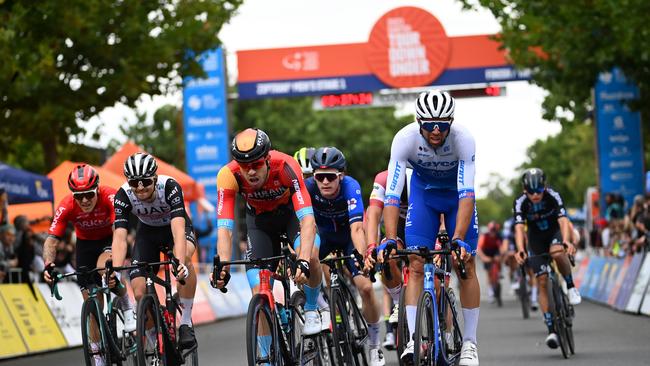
column 448, row 167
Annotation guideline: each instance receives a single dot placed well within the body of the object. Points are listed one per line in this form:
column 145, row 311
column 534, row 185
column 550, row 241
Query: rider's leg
column 563, row 264
column 470, row 299
column 413, row 290
column 370, row 308
column 186, row 292
column 542, row 281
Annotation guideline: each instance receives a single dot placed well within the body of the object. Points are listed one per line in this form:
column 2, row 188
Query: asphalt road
column 603, row 337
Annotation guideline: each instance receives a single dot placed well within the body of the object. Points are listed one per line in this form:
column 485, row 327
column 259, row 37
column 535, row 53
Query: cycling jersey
column 541, row 217
column 442, row 176
column 378, row 195
column 94, row 225
column 167, row 204
column 490, row 244
column 334, row 217
column 283, row 184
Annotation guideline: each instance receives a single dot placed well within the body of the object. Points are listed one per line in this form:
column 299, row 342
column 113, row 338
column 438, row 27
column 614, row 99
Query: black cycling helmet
column 328, row 157
column 534, row 180
column 250, row 145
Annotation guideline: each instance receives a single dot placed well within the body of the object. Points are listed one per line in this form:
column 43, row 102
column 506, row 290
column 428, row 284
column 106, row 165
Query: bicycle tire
column 148, row 310
column 426, row 331
column 257, row 308
column 126, row 344
column 559, row 318
column 568, row 311
column 359, row 329
column 90, row 316
column 449, row 353
column 523, row 294
column 296, row 304
column 341, row 331
column 402, row 333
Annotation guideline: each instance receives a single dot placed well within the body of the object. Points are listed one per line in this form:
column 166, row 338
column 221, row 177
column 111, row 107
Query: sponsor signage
column 66, row 311
column 407, row 48
column 12, row 344
column 619, row 138
column 206, row 127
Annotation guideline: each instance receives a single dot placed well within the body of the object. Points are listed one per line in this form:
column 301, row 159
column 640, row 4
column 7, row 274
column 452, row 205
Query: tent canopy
column 25, row 187
column 115, row 164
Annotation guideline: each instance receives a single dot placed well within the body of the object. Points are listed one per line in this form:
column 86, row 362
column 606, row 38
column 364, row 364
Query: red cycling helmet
column 83, row 177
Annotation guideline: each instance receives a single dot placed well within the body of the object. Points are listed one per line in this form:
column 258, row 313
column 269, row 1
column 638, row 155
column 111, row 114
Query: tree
column 363, row 135
column 163, row 137
column 67, row 62
column 568, row 43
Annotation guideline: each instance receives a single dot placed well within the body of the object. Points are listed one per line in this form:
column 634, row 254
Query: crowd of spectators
column 622, row 232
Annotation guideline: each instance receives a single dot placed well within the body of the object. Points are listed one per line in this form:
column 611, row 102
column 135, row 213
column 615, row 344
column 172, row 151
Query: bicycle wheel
column 151, row 344
column 96, row 347
column 359, row 329
column 523, row 294
column 342, row 337
column 559, row 321
column 451, row 337
column 261, row 333
column 426, row 331
column 403, row 335
column 125, row 342
column 568, row 311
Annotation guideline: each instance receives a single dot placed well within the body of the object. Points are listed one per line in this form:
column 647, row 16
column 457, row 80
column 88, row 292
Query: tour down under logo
column 408, row 47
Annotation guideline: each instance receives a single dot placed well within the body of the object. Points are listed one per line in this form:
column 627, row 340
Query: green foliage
column 64, row 62
column 498, row 203
column 163, row 137
column 363, row 135
column 568, row 43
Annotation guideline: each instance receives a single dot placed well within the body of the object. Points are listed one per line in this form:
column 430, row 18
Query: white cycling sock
column 471, row 324
column 394, row 293
column 125, row 302
column 533, row 294
column 94, row 346
column 411, row 313
column 186, row 305
column 322, row 303
column 151, row 336
column 373, row 335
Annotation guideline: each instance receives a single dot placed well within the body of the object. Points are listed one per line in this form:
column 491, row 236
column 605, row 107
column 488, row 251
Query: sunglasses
column 429, row 125
column 539, row 190
column 329, row 176
column 255, row 165
column 135, row 183
column 79, row 196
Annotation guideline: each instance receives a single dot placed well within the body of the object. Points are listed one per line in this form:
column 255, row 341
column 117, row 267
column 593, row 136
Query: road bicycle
column 161, row 346
column 104, row 338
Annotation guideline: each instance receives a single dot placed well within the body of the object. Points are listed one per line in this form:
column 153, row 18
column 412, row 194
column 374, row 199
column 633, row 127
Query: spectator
column 4, row 201
column 8, row 259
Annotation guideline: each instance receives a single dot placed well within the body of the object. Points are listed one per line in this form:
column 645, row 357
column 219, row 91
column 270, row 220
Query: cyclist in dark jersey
column 542, row 210
column 163, row 224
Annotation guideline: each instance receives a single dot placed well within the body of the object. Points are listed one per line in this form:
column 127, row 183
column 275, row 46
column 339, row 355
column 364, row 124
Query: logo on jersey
column 395, row 180
column 296, row 187
column 172, row 193
column 461, row 172
column 117, row 202
column 57, row 215
column 352, row 204
column 176, row 200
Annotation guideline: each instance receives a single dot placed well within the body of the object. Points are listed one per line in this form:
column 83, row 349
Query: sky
column 503, row 127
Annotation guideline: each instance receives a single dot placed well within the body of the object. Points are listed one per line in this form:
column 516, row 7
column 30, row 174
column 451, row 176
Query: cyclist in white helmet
column 303, row 157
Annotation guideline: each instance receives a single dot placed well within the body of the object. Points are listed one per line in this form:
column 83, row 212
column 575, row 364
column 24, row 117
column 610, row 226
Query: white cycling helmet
column 140, row 166
column 434, row 104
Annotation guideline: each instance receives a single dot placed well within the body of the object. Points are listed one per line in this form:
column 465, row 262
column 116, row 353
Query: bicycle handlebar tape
column 175, row 263
column 304, row 266
column 216, row 274
column 456, row 245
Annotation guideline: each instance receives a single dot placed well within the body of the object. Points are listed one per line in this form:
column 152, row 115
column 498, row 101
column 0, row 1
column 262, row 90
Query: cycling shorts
column 87, row 253
column 328, row 246
column 150, row 241
column 423, row 217
column 539, row 244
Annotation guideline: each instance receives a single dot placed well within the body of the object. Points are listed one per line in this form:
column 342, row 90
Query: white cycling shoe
column 407, row 355
column 129, row 320
column 394, row 315
column 468, row 354
column 574, row 296
column 312, row 323
column 325, row 320
column 552, row 341
column 377, row 357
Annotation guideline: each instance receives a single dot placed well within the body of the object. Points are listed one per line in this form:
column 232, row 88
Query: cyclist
column 89, row 207
column 277, row 202
column 163, row 224
column 338, row 207
column 373, row 222
column 542, row 210
column 303, row 157
column 489, row 251
column 442, row 183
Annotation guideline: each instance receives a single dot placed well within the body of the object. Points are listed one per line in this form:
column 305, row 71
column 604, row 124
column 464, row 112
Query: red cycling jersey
column 94, row 225
column 489, row 243
column 284, row 183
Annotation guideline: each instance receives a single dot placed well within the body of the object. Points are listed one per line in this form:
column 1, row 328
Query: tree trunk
column 49, row 144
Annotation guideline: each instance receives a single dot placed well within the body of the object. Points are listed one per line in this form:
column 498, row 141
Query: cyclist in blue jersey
column 442, row 183
column 338, row 207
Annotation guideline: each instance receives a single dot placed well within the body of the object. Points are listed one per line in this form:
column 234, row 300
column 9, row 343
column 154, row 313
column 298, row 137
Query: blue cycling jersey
column 337, row 214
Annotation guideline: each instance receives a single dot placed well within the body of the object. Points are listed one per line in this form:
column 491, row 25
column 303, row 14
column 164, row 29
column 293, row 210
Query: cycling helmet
column 534, row 180
column 140, row 166
column 434, row 104
column 250, row 145
column 328, row 157
column 82, row 178
column 493, row 226
column 303, row 157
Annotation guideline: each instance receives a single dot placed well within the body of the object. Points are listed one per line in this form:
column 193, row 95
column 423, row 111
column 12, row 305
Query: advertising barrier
column 639, row 289
column 613, row 294
column 11, row 344
column 628, row 283
column 66, row 312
